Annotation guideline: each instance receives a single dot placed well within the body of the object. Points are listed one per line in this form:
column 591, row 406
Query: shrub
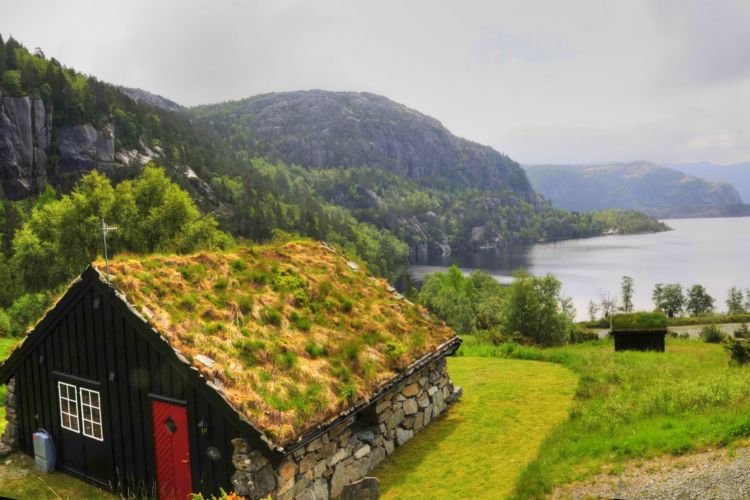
column 5, row 324
column 739, row 351
column 712, row 334
column 742, row 332
column 25, row 310
column 579, row 335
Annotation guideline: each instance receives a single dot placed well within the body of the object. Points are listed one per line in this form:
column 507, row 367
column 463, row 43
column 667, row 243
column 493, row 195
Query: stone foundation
column 9, row 440
column 347, row 452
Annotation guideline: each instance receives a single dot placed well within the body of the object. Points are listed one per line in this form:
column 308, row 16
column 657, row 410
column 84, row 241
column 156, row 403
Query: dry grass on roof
column 296, row 333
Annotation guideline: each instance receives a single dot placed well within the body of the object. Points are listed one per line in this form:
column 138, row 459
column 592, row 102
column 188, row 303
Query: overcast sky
column 542, row 81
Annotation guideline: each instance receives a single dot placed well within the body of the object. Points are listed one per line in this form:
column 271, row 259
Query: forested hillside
column 441, row 194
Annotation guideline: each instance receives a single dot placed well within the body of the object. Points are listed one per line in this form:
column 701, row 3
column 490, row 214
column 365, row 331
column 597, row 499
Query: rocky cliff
column 25, row 138
column 348, row 129
column 31, row 155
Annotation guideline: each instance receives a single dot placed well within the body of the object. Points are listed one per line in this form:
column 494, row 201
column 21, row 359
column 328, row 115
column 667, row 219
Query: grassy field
column 478, row 449
column 634, row 405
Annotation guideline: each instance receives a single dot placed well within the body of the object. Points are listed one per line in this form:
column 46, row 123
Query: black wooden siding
column 107, row 345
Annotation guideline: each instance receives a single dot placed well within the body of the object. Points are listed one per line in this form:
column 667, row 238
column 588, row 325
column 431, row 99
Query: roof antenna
column 104, row 228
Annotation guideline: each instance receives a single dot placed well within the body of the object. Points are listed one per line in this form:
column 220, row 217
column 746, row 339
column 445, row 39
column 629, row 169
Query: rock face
column 347, row 129
column 336, row 463
column 25, row 131
column 140, row 95
column 82, row 147
column 26, row 143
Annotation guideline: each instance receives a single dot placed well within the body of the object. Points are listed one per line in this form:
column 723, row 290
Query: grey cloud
column 541, row 80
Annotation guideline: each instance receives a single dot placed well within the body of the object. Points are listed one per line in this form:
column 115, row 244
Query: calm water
column 712, row 252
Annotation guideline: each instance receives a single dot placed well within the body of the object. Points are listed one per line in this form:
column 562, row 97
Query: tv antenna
column 105, row 229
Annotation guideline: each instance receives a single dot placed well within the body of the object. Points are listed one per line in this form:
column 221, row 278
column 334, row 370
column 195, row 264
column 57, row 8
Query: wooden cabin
column 639, row 331
column 282, row 370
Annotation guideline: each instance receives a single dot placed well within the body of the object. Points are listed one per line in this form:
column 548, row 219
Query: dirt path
column 714, row 474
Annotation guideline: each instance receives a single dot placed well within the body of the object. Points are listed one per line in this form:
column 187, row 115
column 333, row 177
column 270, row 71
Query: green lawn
column 634, row 405
column 18, row 479
column 481, row 445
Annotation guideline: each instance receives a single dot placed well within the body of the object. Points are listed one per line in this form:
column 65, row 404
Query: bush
column 579, row 335
column 739, row 351
column 6, row 328
column 712, row 334
column 26, row 310
column 742, row 332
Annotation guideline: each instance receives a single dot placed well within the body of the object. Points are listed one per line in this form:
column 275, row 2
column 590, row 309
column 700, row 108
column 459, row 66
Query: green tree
column 699, row 301
column 669, row 298
column 532, row 310
column 627, row 294
column 734, row 301
column 152, row 214
column 451, row 296
column 12, row 82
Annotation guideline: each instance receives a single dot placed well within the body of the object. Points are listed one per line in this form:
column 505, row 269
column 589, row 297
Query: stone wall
column 9, row 440
column 347, row 452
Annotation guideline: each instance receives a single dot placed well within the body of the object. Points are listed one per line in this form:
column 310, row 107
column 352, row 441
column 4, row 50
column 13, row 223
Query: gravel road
column 715, row 474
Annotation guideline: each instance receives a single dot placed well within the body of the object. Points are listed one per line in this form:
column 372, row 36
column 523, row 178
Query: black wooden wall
column 96, row 338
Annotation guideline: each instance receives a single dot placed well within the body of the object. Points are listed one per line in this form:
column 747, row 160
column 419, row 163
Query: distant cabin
column 281, row 370
column 639, row 331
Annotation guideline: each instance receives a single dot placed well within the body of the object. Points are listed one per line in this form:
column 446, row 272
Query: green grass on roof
column 298, row 332
column 639, row 321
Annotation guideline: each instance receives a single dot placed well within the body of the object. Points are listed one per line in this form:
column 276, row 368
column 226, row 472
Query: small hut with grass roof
column 281, row 370
column 639, row 331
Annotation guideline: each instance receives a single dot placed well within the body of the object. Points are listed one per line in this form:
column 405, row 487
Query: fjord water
column 712, row 252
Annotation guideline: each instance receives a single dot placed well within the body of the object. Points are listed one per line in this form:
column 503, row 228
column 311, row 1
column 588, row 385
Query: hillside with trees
column 439, row 193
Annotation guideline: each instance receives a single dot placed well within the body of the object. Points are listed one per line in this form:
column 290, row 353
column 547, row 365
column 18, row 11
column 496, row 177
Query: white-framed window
column 68, row 406
column 91, row 413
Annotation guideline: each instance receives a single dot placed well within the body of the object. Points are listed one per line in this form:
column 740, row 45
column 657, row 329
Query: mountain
column 354, row 169
column 320, row 129
column 660, row 191
column 738, row 174
column 157, row 101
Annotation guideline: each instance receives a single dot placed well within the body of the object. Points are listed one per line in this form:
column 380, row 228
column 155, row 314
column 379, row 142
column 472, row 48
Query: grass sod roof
column 640, row 322
column 295, row 332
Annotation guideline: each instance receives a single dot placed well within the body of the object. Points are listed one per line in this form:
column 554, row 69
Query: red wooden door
column 172, row 450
